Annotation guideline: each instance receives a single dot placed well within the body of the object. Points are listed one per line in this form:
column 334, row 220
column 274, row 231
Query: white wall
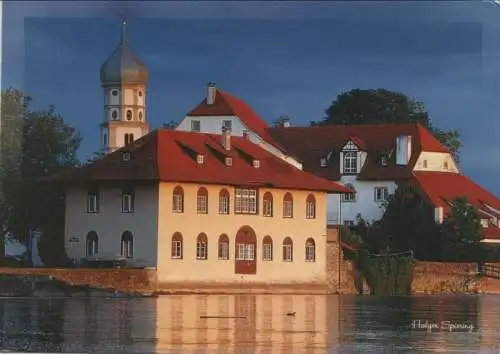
column 110, row 223
column 213, row 124
column 365, row 203
column 435, row 161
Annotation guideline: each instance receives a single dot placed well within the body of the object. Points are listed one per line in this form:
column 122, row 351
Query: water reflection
column 322, row 324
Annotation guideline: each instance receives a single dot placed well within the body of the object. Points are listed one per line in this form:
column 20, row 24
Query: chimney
column 403, row 149
column 211, row 91
column 226, row 139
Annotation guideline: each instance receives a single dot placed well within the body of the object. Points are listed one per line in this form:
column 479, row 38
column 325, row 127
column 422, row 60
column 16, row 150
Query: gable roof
column 226, row 104
column 169, row 155
column 377, row 140
column 441, row 188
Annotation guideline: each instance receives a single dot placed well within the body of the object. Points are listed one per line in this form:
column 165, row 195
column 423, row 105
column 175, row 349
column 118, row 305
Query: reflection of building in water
column 489, row 322
column 265, row 328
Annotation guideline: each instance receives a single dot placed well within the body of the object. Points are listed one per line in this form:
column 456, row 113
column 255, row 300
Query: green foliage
column 408, row 224
column 382, row 106
column 35, row 144
column 171, row 125
column 388, row 273
column 462, row 232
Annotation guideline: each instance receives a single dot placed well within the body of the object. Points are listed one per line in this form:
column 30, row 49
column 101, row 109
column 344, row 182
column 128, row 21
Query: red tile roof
column 377, row 140
column 440, row 188
column 168, row 155
column 226, row 104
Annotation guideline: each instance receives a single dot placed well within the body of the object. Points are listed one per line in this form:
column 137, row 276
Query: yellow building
column 201, row 209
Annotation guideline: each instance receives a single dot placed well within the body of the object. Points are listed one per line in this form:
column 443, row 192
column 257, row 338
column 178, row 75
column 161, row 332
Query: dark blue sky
column 288, row 58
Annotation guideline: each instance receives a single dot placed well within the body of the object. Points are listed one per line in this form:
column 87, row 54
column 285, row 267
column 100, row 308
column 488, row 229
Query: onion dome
column 123, row 66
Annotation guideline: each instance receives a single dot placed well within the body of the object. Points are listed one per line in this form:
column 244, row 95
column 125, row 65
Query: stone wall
column 125, row 280
column 443, row 277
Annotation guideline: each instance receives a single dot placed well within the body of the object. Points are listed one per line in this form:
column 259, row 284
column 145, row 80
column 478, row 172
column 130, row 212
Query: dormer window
column 349, row 158
column 256, row 163
column 445, row 165
column 350, row 162
column 125, row 156
column 323, row 162
column 484, row 222
column 229, row 161
column 200, row 159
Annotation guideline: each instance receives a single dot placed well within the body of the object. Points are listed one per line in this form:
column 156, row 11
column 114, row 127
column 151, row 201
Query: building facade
column 199, row 208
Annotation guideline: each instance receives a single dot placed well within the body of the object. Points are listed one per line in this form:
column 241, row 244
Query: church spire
column 124, row 31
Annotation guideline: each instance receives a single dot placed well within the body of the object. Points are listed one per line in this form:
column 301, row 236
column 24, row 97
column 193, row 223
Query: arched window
column 287, row 249
column 288, row 206
column 351, row 196
column 267, row 248
column 104, row 139
column 202, row 201
column 114, row 115
column 224, row 201
column 92, row 244
column 140, row 93
column 223, row 247
column 267, row 204
column 178, row 200
column 177, row 246
column 310, row 250
column 129, row 138
column 310, row 207
column 114, row 93
column 202, row 246
column 127, row 244
column 129, row 115
column 140, row 115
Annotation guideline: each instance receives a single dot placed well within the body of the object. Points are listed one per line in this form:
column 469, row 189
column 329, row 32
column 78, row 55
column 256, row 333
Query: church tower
column 123, row 78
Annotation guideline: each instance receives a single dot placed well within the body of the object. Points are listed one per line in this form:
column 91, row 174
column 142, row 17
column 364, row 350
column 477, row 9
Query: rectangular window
column 246, row 252
column 223, row 250
column 176, row 249
column 267, row 252
column 202, row 204
column 288, row 209
column 201, row 250
column 381, row 194
column 268, row 207
column 350, row 162
column 227, row 125
column 310, row 210
column 178, row 201
column 245, row 201
column 195, row 126
column 127, row 202
column 93, row 202
column 287, row 253
column 224, row 204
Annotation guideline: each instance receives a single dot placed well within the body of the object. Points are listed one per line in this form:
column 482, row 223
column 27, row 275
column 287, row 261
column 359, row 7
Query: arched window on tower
column 140, row 115
column 114, row 115
column 105, row 139
column 128, row 138
column 129, row 115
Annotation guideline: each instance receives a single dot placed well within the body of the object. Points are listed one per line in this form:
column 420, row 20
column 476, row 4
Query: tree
column 382, row 106
column 170, row 125
column 408, row 224
column 42, row 144
column 462, row 232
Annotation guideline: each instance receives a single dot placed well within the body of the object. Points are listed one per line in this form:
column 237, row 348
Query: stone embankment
column 74, row 282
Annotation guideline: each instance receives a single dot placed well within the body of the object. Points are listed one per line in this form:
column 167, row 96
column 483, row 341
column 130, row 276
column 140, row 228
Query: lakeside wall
column 342, row 278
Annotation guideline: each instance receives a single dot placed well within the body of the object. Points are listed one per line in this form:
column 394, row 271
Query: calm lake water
column 322, row 324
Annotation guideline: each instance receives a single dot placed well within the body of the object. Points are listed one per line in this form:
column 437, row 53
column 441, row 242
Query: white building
column 372, row 160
